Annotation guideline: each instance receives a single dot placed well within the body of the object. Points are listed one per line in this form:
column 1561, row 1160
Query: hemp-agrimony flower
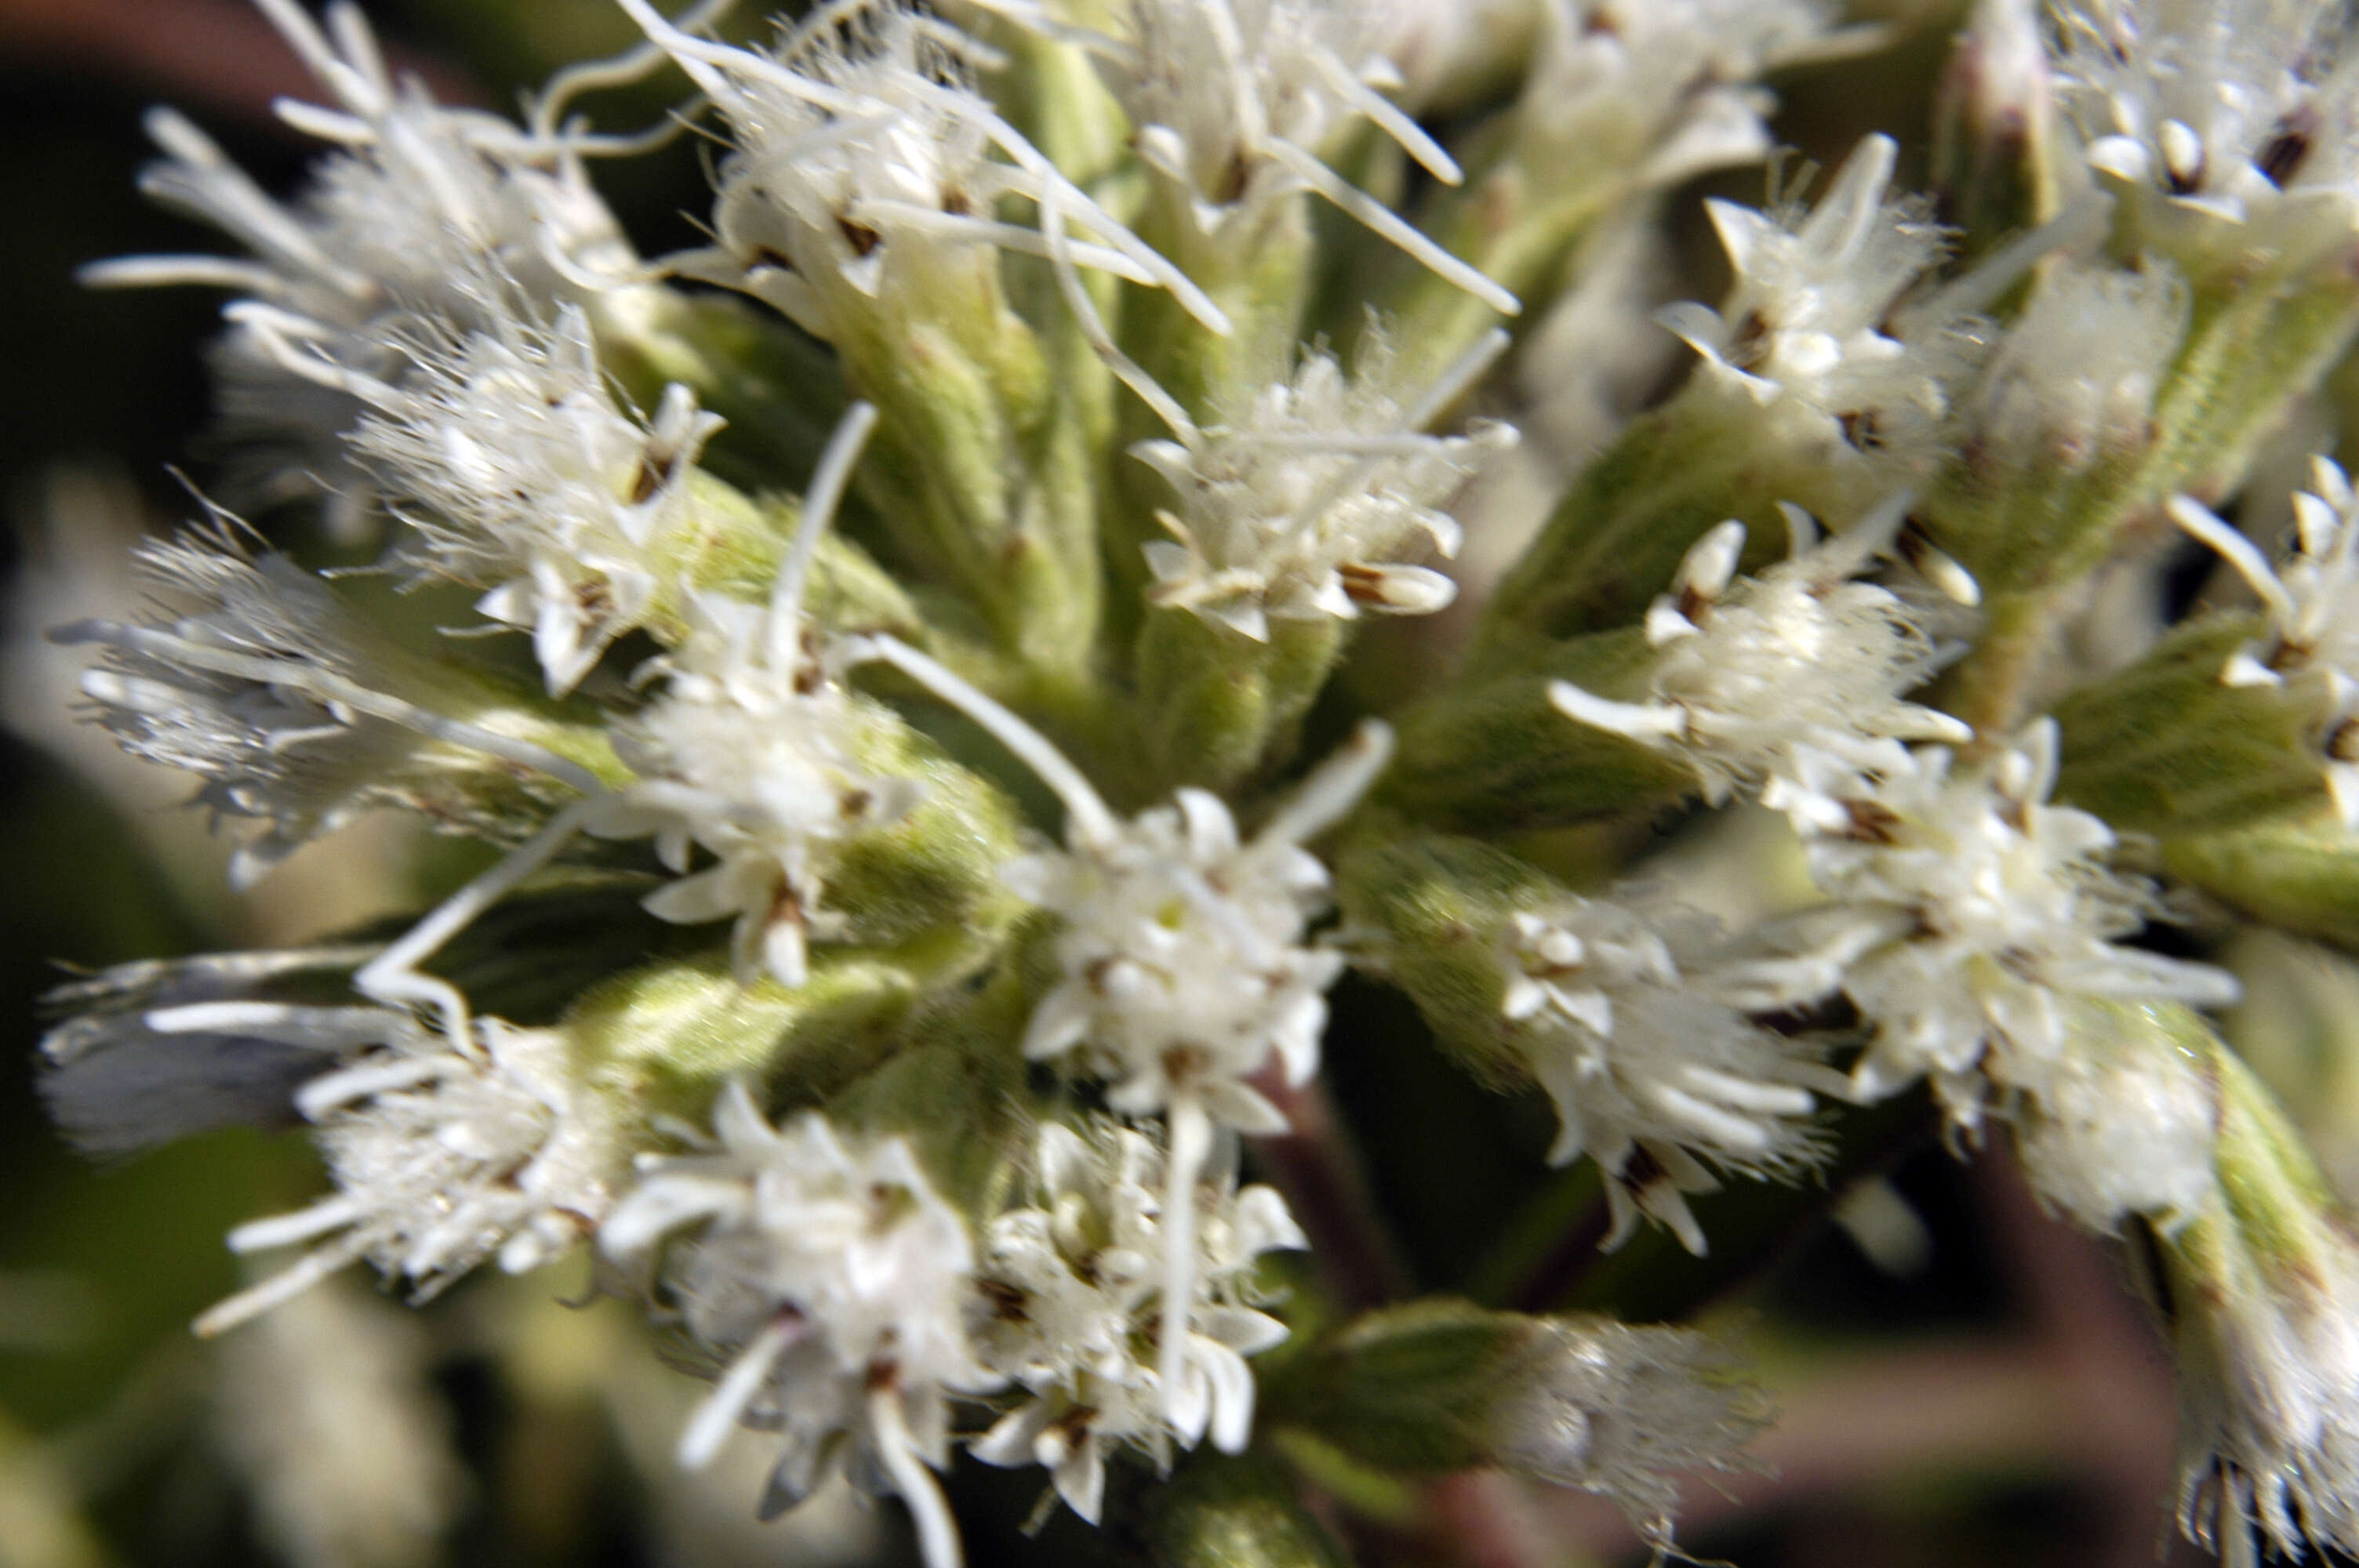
column 911, row 669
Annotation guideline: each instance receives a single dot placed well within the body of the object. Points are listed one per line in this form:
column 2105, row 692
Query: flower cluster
column 905, row 665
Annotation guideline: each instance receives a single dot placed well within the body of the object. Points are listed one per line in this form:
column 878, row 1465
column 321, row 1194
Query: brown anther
column 859, row 237
column 2343, row 741
column 854, row 803
column 1234, row 180
column 1913, row 545
column 648, row 480
column 1641, row 1170
column 1183, row 1063
column 1746, row 344
column 1008, row 1303
column 2289, row 146
column 1864, row 429
column 1871, row 822
column 1361, row 584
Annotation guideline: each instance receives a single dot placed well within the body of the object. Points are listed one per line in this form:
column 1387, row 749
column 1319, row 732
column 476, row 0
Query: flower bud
column 1994, row 129
column 1578, row 1402
column 2121, row 1123
column 2263, row 1289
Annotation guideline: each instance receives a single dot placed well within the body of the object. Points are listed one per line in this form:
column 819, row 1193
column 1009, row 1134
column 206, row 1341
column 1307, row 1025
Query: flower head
column 1651, row 1074
column 1619, row 1411
column 1185, row 968
column 868, row 170
column 756, row 753
column 1231, row 103
column 442, row 1155
column 1802, row 656
column 398, row 228
column 1660, row 90
column 520, row 472
column 1968, row 911
column 2073, row 378
column 830, row 1279
column 2226, row 111
column 1303, row 504
column 294, row 710
column 1073, row 1280
column 1810, row 324
column 2263, row 1287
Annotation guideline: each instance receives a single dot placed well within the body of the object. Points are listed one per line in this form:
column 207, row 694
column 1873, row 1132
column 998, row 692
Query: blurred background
column 1963, row 1380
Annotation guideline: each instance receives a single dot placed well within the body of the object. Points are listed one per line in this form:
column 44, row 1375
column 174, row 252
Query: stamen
column 938, row 1538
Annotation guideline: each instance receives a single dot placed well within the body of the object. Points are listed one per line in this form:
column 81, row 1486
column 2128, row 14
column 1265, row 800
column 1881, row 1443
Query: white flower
column 2223, row 111
column 1656, row 91
column 1615, row 1017
column 868, row 171
column 1618, row 1411
column 1968, row 912
column 2310, row 601
column 442, row 1155
column 1301, row 503
column 1232, row 101
column 1185, row 969
column 398, row 227
column 756, row 752
column 1809, row 328
column 114, row 1085
column 1802, row 656
column 833, row 1279
column 526, row 476
column 254, row 675
column 1071, row 1283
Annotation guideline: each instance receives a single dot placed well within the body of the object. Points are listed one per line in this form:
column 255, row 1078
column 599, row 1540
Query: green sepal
column 1438, row 906
column 2301, row 873
column 955, row 1088
column 1513, row 221
column 1218, row 705
column 981, row 470
column 1220, row 1511
column 2279, row 1239
column 926, row 886
column 1615, row 540
column 2166, row 747
column 669, row 1035
column 1995, row 162
column 1412, row 1389
column 1489, row 753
